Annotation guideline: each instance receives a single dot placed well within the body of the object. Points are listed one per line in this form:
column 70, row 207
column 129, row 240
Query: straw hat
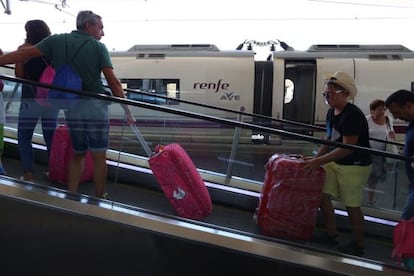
column 344, row 80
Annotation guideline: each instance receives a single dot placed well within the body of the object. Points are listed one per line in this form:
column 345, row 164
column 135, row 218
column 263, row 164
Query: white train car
column 196, row 73
column 298, row 80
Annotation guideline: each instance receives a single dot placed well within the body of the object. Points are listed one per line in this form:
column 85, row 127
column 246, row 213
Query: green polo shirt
column 88, row 62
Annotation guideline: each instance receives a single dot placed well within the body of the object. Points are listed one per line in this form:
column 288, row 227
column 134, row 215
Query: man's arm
column 19, row 66
column 117, row 90
column 20, row 55
column 334, row 155
column 113, row 82
column 339, row 153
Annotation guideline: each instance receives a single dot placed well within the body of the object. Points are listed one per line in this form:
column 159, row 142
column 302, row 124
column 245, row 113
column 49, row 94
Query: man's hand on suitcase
column 310, row 164
column 130, row 118
column 128, row 114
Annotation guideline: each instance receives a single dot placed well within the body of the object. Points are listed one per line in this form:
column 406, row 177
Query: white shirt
column 378, row 131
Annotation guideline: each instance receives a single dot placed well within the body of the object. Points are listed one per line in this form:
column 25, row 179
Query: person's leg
column 352, row 181
column 376, row 174
column 89, row 130
column 75, row 171
column 100, row 171
column 28, row 116
column 77, row 133
column 98, row 138
column 49, row 122
column 372, row 185
column 356, row 219
column 328, row 214
column 330, row 189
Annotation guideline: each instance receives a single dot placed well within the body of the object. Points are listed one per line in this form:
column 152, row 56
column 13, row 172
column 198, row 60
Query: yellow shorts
column 346, row 182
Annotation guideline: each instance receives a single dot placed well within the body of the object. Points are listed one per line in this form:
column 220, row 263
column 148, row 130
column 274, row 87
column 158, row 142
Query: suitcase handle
column 142, row 141
column 296, row 156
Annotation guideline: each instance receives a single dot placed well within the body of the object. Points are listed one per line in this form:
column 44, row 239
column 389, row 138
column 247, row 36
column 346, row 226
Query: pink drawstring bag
column 46, row 77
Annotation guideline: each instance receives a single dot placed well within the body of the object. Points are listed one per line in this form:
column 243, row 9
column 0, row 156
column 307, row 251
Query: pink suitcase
column 290, row 198
column 60, row 155
column 180, row 181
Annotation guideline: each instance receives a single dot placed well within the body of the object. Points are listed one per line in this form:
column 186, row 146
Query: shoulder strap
column 76, row 52
column 388, row 123
column 80, row 47
column 44, row 60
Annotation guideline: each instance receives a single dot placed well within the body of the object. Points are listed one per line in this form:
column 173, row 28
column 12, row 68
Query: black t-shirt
column 32, row 71
column 351, row 121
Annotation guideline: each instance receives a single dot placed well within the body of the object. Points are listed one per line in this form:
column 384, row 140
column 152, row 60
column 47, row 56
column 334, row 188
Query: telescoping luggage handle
column 141, row 139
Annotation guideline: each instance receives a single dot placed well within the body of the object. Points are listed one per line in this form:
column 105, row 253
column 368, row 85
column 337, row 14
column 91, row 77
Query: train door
column 299, row 95
column 262, row 103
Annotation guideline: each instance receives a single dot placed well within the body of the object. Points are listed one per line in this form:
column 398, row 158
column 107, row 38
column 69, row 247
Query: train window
column 162, row 91
column 289, row 89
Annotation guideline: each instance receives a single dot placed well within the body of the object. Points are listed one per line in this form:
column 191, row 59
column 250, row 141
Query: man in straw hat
column 346, row 170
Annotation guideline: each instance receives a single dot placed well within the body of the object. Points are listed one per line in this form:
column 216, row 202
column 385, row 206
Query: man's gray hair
column 85, row 17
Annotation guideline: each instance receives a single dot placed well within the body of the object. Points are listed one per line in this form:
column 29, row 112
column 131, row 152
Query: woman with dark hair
column 30, row 110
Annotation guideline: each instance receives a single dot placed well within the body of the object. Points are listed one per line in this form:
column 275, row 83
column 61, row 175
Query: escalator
column 47, row 230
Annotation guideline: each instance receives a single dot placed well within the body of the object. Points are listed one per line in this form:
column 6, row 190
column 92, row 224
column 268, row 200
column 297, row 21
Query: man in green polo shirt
column 88, row 120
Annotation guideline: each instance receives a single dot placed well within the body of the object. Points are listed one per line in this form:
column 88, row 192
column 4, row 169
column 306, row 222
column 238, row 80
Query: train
column 287, row 85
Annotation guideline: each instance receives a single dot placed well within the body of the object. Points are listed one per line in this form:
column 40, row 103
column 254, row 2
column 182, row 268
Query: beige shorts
column 346, row 182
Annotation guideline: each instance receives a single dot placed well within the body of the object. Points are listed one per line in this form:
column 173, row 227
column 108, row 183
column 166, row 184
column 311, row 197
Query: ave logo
column 231, row 96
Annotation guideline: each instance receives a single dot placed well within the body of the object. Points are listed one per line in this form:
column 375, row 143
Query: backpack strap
column 387, row 120
column 69, row 61
column 77, row 50
column 44, row 60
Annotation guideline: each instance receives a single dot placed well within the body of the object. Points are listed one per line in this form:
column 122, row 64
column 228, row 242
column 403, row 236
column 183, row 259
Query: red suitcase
column 290, row 198
column 60, row 155
column 180, row 181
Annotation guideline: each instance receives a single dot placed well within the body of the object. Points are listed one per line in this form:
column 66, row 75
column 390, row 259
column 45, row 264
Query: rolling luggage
column 180, row 181
column 141, row 140
column 290, row 198
column 61, row 154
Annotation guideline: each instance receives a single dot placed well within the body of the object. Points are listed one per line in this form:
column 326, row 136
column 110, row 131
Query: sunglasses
column 328, row 95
